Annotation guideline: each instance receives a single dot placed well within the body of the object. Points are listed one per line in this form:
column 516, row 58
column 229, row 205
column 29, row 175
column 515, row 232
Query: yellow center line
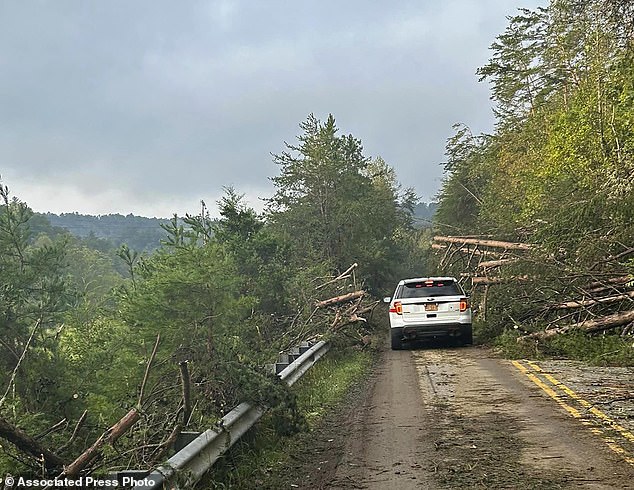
column 548, row 390
column 573, row 411
column 595, row 411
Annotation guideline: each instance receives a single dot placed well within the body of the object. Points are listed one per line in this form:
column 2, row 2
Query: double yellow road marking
column 591, row 417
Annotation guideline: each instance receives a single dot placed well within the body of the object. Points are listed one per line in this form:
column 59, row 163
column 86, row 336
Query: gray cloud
column 149, row 106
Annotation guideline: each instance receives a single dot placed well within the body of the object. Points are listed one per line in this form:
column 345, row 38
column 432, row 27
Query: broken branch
column 340, row 299
column 108, row 437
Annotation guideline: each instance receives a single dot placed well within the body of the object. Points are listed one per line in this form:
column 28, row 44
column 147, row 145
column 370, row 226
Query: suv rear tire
column 397, row 343
column 467, row 336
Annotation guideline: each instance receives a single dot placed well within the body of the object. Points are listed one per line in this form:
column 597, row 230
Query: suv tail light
column 397, row 308
column 464, row 304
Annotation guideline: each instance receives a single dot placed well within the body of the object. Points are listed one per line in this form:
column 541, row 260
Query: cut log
column 108, row 437
column 28, row 444
column 340, row 299
column 591, row 302
column 484, row 243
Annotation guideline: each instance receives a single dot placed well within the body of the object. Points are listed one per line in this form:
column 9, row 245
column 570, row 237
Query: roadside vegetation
column 557, row 174
column 263, row 459
column 171, row 340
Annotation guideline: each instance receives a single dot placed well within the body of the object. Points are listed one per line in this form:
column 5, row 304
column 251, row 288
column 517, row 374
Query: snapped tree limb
column 108, row 437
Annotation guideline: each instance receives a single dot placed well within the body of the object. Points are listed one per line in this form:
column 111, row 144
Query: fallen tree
column 595, row 325
column 500, row 280
column 495, row 263
column 483, row 242
column 29, row 445
column 108, row 437
column 467, row 250
column 591, row 302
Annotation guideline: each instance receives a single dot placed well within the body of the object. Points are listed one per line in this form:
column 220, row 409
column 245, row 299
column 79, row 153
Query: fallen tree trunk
column 340, row 299
column 108, row 437
column 591, row 302
column 499, row 280
column 495, row 263
column 589, row 326
column 29, row 445
column 606, row 284
column 484, row 243
column 438, row 246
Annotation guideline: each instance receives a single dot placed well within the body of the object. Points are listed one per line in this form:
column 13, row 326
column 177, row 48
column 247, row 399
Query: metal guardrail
column 187, row 466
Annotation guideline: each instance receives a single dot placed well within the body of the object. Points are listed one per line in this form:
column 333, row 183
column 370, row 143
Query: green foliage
column 256, row 460
column 333, row 204
column 559, row 170
column 34, row 294
column 107, row 328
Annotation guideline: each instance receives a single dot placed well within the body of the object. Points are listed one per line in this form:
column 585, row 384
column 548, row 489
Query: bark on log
column 606, row 322
column 589, row 326
column 29, row 445
column 591, row 302
column 340, row 299
column 108, row 437
column 484, row 243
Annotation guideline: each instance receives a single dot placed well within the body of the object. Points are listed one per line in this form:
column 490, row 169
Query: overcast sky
column 149, row 106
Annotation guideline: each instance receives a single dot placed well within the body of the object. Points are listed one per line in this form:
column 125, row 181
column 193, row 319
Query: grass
column 257, row 459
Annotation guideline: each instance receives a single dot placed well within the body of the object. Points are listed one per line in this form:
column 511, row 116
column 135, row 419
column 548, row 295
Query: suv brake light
column 464, row 304
column 397, row 308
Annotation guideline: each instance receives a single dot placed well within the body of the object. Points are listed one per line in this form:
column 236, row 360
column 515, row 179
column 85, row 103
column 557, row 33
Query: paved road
column 460, row 418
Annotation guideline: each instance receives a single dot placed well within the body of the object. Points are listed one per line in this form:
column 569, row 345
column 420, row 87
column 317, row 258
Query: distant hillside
column 145, row 234
column 423, row 213
column 138, row 232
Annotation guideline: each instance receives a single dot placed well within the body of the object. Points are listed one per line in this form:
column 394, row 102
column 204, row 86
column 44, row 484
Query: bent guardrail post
column 189, row 464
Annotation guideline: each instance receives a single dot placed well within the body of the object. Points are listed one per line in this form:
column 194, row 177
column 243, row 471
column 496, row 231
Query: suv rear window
column 425, row 289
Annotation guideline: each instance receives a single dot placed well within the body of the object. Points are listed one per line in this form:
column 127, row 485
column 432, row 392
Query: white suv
column 428, row 308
